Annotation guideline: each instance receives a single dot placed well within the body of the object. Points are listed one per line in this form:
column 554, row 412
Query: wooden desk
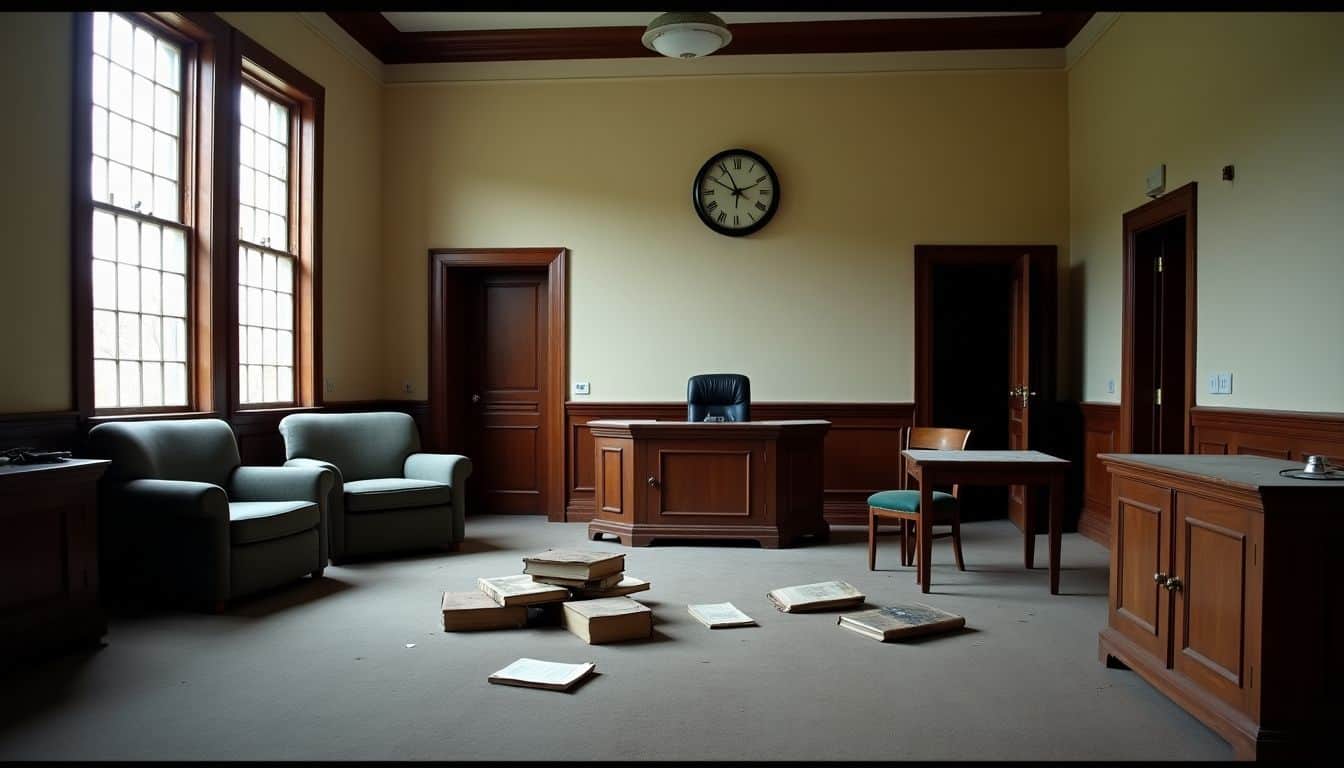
column 941, row 468
column 1224, row 595
column 49, row 557
column 757, row 480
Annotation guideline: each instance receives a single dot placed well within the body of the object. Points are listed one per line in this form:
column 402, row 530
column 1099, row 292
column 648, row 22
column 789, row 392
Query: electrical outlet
column 1225, row 383
column 1214, row 389
column 580, row 387
column 407, row 387
column 331, row 385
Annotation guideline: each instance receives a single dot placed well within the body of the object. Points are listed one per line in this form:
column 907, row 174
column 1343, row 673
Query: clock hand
column 720, row 183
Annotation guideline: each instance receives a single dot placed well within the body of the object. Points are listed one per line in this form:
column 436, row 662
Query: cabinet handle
column 653, row 482
column 1173, row 584
column 1159, row 577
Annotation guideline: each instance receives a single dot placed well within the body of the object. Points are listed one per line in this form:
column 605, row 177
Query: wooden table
column 942, row 468
column 757, row 480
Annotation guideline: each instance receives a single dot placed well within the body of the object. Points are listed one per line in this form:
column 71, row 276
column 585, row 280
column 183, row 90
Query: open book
column 720, row 615
column 815, row 597
column 550, row 675
column 900, row 621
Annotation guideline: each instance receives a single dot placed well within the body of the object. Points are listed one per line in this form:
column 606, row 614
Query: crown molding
column 1088, row 36
column 341, row 40
column 1051, row 29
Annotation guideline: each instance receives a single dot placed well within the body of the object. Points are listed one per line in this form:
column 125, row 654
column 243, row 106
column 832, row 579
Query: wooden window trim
column 206, row 44
column 252, row 62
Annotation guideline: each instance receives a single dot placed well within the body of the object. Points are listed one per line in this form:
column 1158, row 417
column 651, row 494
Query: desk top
column 706, row 424
column 707, row 430
column 14, row 470
column 920, row 456
column 1240, row 470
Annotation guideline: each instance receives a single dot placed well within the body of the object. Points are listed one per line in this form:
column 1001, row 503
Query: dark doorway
column 971, row 349
column 1158, row 345
column 497, row 374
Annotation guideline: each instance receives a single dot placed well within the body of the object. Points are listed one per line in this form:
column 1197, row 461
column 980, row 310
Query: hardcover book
column 897, row 622
column 720, row 615
column 574, row 564
column 603, row 583
column 627, row 585
column 468, row 611
column 520, row 590
column 608, row 619
column 815, row 597
column 549, row 675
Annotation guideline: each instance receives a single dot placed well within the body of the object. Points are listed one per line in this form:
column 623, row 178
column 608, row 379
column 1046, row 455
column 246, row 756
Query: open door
column 1031, row 373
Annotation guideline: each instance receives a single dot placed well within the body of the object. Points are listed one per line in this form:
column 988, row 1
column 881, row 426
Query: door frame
column 929, row 256
column 1176, row 203
column 446, row 267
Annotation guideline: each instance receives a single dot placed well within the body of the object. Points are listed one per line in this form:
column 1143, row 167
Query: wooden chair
column 903, row 505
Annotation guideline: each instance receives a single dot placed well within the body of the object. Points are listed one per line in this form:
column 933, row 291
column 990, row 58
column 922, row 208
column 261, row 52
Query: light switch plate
column 580, row 387
column 1225, row 383
column 1213, row 384
column 1110, row 386
column 1155, row 181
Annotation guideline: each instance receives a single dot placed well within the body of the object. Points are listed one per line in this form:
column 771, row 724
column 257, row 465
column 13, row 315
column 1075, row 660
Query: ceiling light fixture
column 686, row 34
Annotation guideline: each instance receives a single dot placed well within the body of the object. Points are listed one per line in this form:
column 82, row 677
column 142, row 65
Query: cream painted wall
column 35, row 208
column 815, row 307
column 35, row 213
column 1264, row 92
column 351, row 215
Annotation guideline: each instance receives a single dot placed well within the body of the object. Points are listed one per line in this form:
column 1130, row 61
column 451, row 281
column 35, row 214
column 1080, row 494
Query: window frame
column 262, row 70
column 204, row 41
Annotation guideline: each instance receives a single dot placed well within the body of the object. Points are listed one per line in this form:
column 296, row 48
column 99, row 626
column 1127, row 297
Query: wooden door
column 1140, row 557
column 1031, row 371
column 1214, row 595
column 1159, row 339
column 507, row 399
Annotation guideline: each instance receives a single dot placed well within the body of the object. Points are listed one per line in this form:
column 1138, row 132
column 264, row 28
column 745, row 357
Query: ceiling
column 427, row 37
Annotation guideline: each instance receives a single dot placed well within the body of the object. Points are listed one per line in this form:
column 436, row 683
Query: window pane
column 174, row 251
column 150, row 330
column 254, row 268
column 99, row 181
column 144, row 53
column 152, row 383
column 174, row 295
column 245, row 103
column 166, row 203
column 245, row 137
column 118, row 184
column 101, row 22
column 104, row 284
column 100, row 81
column 245, row 223
column 119, row 96
column 100, row 131
column 121, row 40
column 104, row 334
column 168, row 70
column 279, row 160
column 284, row 311
column 142, row 147
column 128, row 335
column 284, row 347
column 253, row 344
column 268, row 309
column 174, row 339
column 142, row 191
column 119, row 138
column 245, row 186
column 268, row 383
column 151, row 292
column 278, row 233
column 165, row 156
column 284, row 275
column 149, row 245
column 128, row 383
column 143, row 100
column 104, row 384
column 104, row 236
column 166, row 115
column 284, row 384
column 279, row 123
column 254, row 306
column 278, row 198
column 268, row 346
column 128, row 288
column 128, row 240
column 268, row 272
column 174, row 384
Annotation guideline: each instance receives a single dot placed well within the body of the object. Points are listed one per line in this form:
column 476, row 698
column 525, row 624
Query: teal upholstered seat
column 253, row 521
column 908, row 501
column 381, row 493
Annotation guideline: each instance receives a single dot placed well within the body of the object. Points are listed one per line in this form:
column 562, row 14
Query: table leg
column 925, row 538
column 1056, row 528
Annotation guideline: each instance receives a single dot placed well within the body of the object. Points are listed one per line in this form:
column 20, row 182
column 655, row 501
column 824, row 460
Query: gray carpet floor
column 321, row 670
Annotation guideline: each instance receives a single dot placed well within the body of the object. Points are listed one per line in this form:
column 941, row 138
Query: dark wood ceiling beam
column 1046, row 30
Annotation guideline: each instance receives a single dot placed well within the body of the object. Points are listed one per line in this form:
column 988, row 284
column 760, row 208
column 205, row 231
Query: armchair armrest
column 450, row 468
column 175, row 498
column 178, row 531
column 280, row 484
column 333, row 508
column 447, row 468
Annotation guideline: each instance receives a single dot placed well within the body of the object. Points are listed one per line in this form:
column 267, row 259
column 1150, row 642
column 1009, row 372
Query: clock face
column 736, row 192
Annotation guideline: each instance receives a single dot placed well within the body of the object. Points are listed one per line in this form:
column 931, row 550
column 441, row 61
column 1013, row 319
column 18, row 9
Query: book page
column 719, row 613
column 571, row 556
column 544, row 672
column 811, row 593
column 518, row 585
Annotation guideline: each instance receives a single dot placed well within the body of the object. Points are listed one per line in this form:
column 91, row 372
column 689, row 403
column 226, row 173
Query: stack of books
column 588, row 575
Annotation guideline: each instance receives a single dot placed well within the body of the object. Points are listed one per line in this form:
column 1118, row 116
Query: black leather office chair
column 718, row 394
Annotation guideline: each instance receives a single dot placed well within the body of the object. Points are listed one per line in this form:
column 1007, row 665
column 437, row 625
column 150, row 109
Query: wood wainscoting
column 1101, row 426
column 1276, row 434
column 862, row 449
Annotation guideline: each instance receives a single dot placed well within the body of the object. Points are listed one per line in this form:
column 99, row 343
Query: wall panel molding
column 1277, row 434
column 1101, row 425
column 862, row 448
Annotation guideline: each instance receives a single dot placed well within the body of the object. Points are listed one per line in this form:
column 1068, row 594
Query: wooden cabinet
column 1219, row 595
column 49, row 557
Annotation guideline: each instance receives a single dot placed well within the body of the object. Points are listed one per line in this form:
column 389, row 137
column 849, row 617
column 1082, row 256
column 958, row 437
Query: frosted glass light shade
column 684, row 35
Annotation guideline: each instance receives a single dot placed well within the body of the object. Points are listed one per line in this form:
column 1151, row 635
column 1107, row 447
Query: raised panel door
column 717, row 482
column 1212, row 599
column 1140, row 552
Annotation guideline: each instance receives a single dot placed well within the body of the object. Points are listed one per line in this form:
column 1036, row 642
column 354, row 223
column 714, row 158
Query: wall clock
column 735, row 193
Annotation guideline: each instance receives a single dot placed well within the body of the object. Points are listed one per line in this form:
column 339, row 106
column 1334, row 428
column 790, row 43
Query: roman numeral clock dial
column 735, row 193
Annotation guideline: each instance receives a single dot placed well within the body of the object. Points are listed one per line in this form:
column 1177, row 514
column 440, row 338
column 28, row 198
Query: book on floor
column 896, row 622
column 608, row 619
column 626, row 586
column 550, row 675
column 603, row 583
column 574, row 564
column 520, row 590
column 468, row 611
column 815, row 597
column 720, row 615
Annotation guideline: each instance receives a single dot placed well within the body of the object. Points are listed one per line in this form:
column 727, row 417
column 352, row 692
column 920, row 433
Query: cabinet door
column 1213, row 562
column 1140, row 550
column 703, row 482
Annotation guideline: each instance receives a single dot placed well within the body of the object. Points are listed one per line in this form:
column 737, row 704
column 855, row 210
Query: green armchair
column 181, row 518
column 388, row 496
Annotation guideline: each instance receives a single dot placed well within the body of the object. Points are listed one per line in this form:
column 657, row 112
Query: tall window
column 267, row 252
column 140, row 248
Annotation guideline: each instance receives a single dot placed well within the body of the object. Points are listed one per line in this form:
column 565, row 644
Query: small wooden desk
column 757, row 480
column 932, row 468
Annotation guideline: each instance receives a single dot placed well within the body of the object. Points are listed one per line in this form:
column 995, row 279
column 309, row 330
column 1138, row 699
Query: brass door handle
column 475, row 398
column 653, row 481
column 1173, row 584
column 1159, row 577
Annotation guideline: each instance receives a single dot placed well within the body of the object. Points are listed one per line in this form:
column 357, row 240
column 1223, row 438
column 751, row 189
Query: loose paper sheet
column 544, row 672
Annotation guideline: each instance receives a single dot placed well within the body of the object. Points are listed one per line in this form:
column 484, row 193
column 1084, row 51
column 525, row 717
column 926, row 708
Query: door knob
column 475, row 398
column 1159, row 577
column 1173, row 584
column 652, row 481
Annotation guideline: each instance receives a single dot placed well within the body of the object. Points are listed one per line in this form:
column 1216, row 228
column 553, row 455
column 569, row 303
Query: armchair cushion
column 908, row 501
column 363, row 445
column 253, row 521
column 280, row 483
column 201, row 450
column 394, row 493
